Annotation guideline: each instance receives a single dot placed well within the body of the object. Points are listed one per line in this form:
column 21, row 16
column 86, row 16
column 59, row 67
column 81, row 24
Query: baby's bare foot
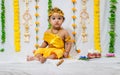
column 30, row 58
column 42, row 59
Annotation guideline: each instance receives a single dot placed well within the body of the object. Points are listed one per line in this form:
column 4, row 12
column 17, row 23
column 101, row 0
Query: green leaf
column 2, row 50
column 113, row 1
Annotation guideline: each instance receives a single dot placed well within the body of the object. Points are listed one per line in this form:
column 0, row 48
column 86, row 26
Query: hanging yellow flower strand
column 16, row 26
column 37, row 23
column 97, row 45
column 74, row 25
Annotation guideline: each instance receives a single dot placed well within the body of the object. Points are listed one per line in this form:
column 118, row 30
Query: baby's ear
column 49, row 18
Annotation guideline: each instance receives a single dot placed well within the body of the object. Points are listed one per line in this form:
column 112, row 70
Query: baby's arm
column 44, row 44
column 68, row 44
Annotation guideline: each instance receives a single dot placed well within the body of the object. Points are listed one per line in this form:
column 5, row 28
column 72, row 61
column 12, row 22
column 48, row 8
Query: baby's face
column 56, row 20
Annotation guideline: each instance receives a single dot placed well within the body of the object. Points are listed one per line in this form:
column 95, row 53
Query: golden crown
column 55, row 10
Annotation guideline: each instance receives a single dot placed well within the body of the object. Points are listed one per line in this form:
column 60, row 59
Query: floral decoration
column 74, row 17
column 84, row 18
column 27, row 19
column 37, row 23
column 3, row 36
column 97, row 45
column 3, row 33
column 49, row 7
column 16, row 26
column 112, row 19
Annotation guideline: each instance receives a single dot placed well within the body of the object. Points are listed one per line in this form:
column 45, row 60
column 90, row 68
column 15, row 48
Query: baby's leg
column 52, row 56
column 31, row 58
column 40, row 58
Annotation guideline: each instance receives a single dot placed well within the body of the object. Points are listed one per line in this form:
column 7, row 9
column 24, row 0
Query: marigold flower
column 37, row 15
column 37, row 37
column 36, row 45
column 74, row 1
column 16, row 26
column 96, row 25
column 74, row 17
column 73, row 9
column 37, row 23
column 78, row 51
column 74, row 25
column 74, row 33
column 36, row 29
column 36, row 6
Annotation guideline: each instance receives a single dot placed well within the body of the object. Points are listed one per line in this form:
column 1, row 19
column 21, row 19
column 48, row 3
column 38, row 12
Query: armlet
column 68, row 39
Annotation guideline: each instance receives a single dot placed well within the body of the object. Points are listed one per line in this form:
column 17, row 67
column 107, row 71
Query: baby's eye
column 53, row 18
column 59, row 18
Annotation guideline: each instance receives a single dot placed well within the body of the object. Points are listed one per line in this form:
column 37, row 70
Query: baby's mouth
column 56, row 24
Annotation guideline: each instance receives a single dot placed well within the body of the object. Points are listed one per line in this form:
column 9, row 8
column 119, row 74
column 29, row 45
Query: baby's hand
column 66, row 54
column 34, row 51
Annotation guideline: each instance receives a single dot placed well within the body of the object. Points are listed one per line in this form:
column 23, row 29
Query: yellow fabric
column 56, row 45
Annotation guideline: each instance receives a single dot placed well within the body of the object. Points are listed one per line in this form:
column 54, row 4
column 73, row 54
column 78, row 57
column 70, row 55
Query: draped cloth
column 55, row 45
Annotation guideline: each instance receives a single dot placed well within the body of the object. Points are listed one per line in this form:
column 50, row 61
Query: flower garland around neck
column 97, row 45
column 3, row 36
column 49, row 8
column 27, row 18
column 84, row 17
column 37, row 23
column 16, row 26
column 112, row 33
column 74, row 25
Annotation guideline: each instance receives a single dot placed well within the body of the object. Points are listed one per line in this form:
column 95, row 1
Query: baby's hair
column 56, row 10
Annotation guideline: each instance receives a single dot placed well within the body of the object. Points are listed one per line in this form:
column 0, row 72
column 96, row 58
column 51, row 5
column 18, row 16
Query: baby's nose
column 56, row 20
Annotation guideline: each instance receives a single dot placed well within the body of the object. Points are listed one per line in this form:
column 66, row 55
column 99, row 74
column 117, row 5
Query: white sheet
column 102, row 66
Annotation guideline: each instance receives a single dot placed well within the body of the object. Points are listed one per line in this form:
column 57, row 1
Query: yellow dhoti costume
column 56, row 46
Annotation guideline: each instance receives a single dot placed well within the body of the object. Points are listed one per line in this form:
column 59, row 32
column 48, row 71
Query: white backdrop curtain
column 66, row 6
